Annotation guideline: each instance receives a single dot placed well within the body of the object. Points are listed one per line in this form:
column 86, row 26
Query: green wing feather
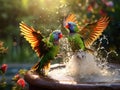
column 76, row 42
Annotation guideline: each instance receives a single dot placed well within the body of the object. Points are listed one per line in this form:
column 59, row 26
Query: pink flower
column 102, row 12
column 21, row 82
column 104, row 1
column 109, row 4
column 4, row 68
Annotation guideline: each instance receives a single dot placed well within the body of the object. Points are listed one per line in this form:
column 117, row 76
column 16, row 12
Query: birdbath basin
column 39, row 82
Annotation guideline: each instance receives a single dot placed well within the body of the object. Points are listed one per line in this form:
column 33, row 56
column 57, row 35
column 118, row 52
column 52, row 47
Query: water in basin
column 84, row 67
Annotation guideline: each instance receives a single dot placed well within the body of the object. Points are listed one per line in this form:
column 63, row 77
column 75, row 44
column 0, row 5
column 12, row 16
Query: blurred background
column 48, row 15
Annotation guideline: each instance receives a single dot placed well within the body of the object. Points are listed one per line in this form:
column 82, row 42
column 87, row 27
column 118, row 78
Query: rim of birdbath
column 39, row 82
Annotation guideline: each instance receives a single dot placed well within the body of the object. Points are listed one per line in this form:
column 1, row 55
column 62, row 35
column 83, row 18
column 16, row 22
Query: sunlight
column 24, row 3
column 51, row 5
column 46, row 5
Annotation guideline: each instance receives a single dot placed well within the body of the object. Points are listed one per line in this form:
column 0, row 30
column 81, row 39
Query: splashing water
column 83, row 67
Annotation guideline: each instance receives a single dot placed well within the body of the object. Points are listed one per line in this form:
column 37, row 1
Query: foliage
column 3, row 50
column 18, row 81
column 3, row 70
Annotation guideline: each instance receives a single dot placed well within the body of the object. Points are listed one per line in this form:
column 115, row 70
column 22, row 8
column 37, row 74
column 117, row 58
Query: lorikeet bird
column 84, row 38
column 45, row 48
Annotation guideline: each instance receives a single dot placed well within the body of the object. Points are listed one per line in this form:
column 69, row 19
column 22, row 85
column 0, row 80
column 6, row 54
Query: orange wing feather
column 33, row 37
column 71, row 18
column 92, row 32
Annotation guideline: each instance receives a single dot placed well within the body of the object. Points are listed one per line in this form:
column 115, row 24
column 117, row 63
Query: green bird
column 45, row 48
column 83, row 38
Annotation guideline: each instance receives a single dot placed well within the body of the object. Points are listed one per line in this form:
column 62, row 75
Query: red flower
column 4, row 68
column 90, row 8
column 21, row 82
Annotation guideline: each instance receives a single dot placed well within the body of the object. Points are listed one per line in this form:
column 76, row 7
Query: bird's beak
column 67, row 26
column 60, row 35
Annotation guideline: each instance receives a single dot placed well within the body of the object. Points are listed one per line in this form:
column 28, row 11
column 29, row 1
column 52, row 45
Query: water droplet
column 57, row 12
column 79, row 4
column 43, row 8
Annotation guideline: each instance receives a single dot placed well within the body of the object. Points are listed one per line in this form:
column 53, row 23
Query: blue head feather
column 56, row 35
column 72, row 27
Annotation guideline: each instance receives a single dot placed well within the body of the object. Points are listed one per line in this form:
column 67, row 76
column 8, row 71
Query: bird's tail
column 36, row 66
column 40, row 68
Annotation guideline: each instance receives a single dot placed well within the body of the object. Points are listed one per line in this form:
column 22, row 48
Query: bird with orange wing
column 82, row 39
column 45, row 48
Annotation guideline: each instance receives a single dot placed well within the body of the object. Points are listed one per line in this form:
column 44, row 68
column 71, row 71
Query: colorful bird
column 84, row 38
column 45, row 48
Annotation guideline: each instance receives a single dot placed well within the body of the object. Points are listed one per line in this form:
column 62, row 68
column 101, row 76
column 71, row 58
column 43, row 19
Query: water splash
column 83, row 67
column 82, row 64
column 86, row 69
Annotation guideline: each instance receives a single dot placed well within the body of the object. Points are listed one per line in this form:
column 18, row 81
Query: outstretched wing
column 34, row 38
column 70, row 18
column 92, row 32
